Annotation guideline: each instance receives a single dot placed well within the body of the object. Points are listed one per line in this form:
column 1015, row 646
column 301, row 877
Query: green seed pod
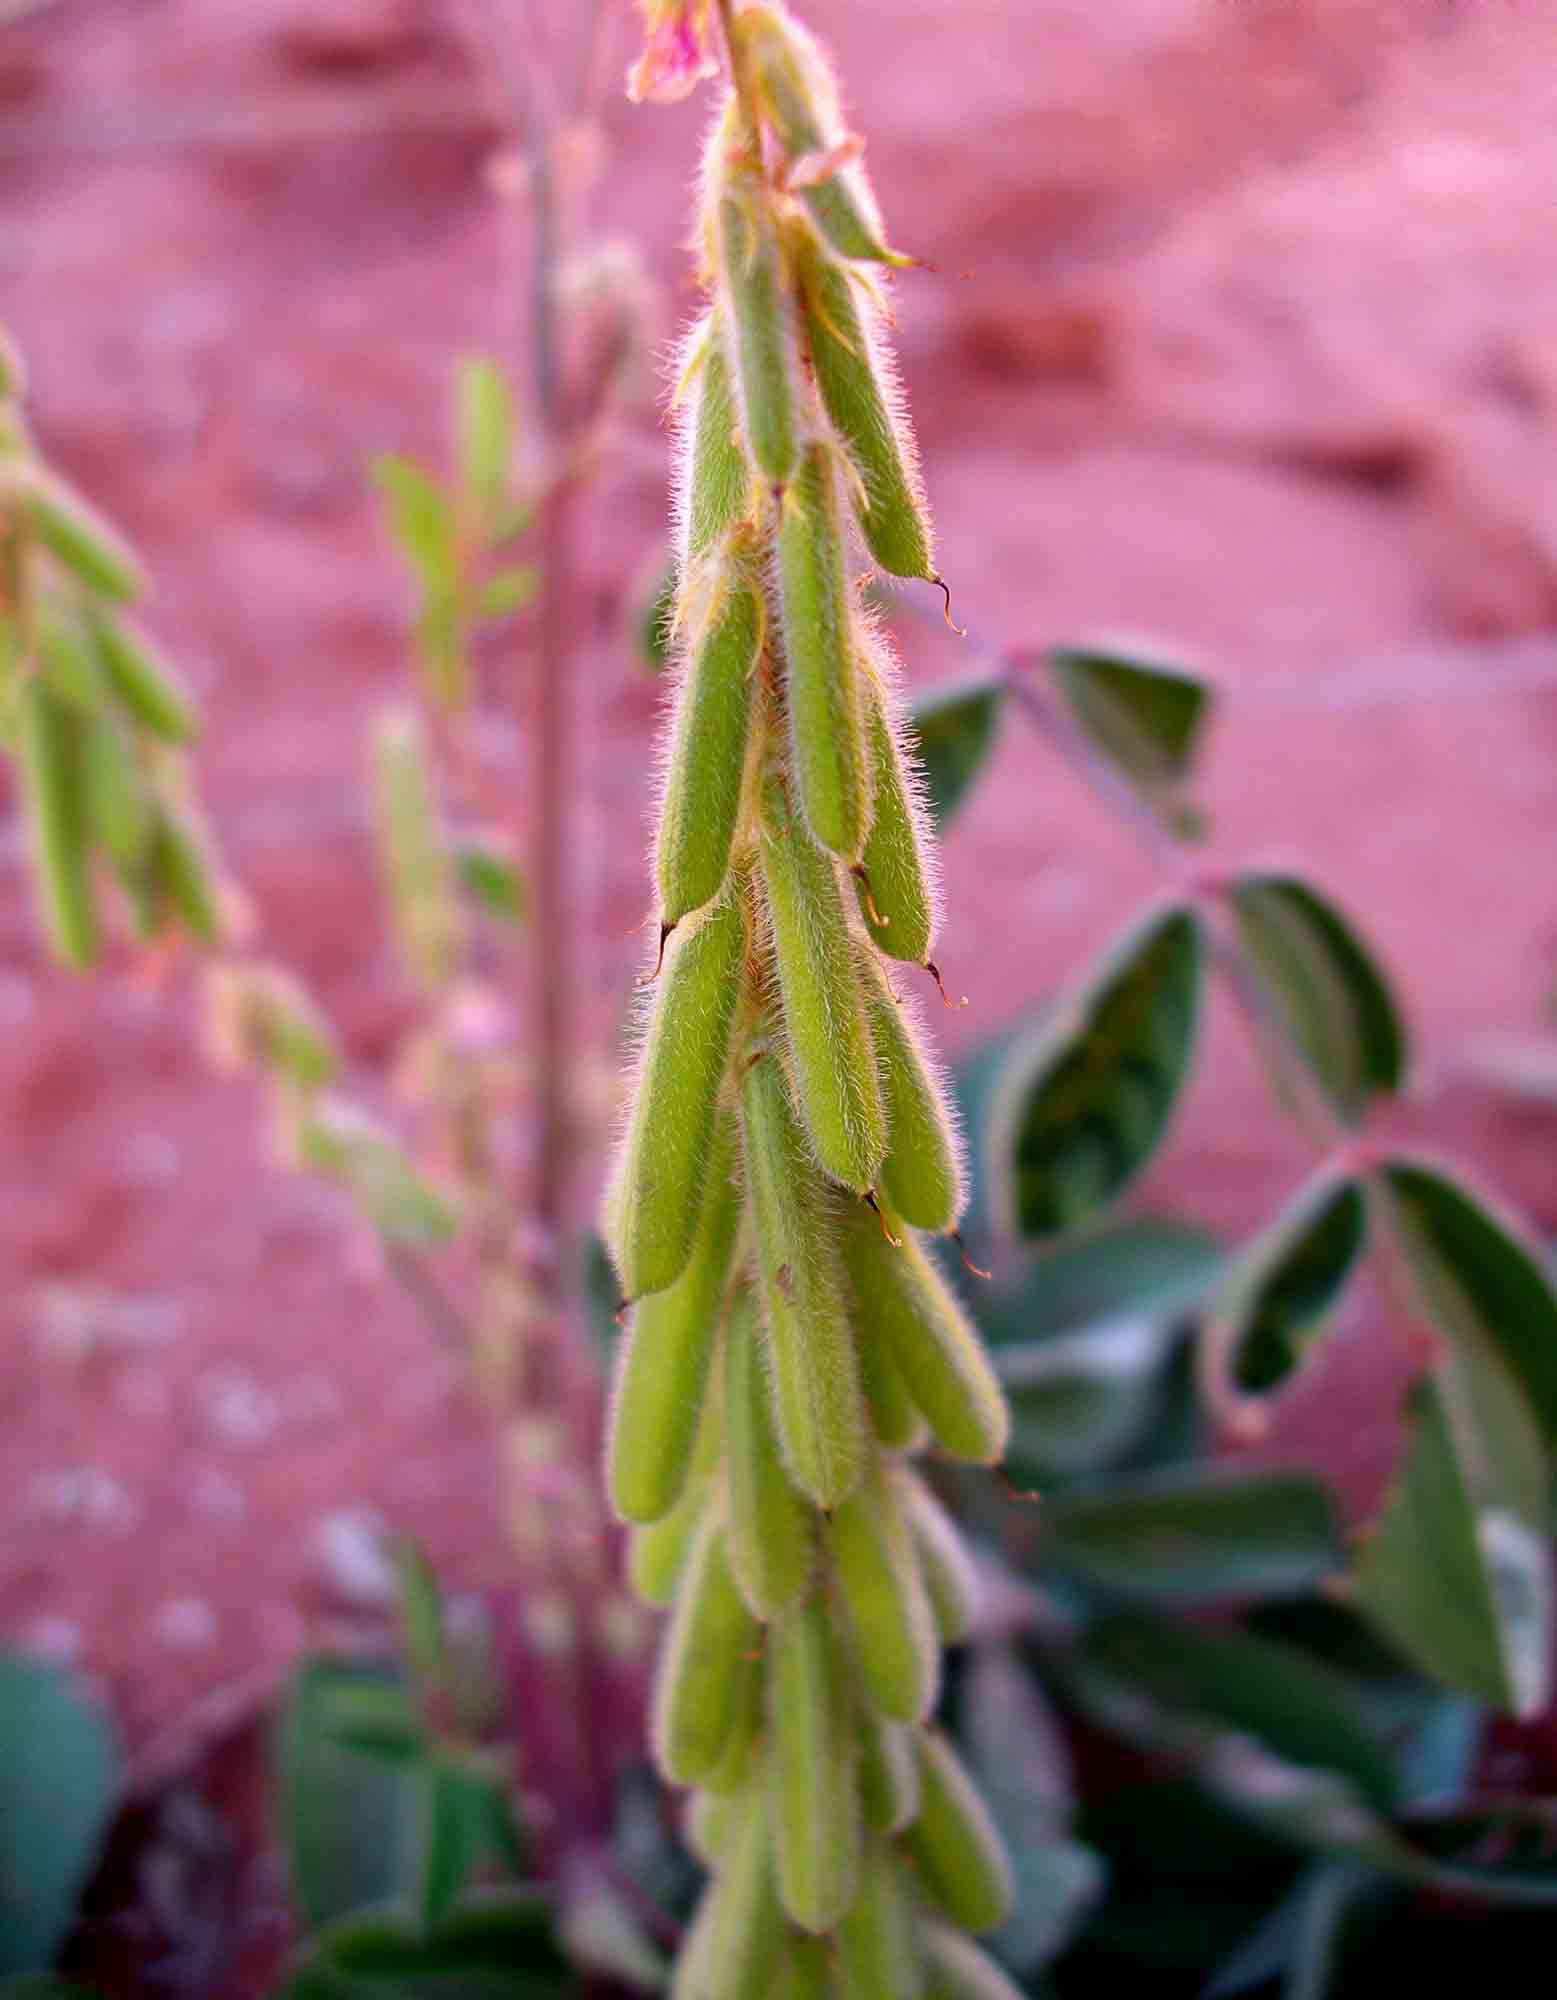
column 921, row 1175
column 889, row 1771
column 826, row 723
column 755, row 304
column 708, row 1823
column 768, row 1527
column 897, row 897
column 145, row 683
column 707, row 770
column 741, row 1754
column 855, row 374
column 958, row 1969
column 961, row 1861
column 799, row 99
column 714, row 484
column 117, row 812
column 812, row 1367
column 807, row 1971
column 812, row 1752
column 52, row 743
column 697, row 1682
column 657, row 1552
column 824, row 1010
column 738, row 1937
column 902, row 1301
column 78, row 537
column 670, row 1135
column 878, row 1951
column 414, row 852
column 943, row 1558
column 69, row 663
column 185, row 874
column 662, row 1372
column 893, row 1418
column 877, row 1572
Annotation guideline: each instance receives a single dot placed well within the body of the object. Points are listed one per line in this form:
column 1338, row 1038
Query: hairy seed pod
column 898, row 904
column 893, row 1418
column 958, row 1969
column 878, row 1951
column 822, row 679
column 812, row 1751
column 69, row 663
column 707, row 768
column 824, row 1010
column 741, row 1754
column 51, row 738
column 807, row 1971
column 902, row 1301
column 943, row 1558
column 769, row 1528
column 756, row 307
column 921, row 1175
column 877, row 1572
column 78, row 537
column 145, row 683
column 739, row 1936
column 859, row 388
column 656, row 1553
column 709, row 1820
column 186, row 875
column 812, row 1368
column 715, row 477
column 889, row 1771
column 799, row 98
column 662, row 1372
column 675, row 1108
column 960, row 1857
column 698, row 1677
column 118, row 813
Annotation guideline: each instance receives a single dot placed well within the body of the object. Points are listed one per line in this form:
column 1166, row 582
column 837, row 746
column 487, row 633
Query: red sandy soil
column 1239, row 334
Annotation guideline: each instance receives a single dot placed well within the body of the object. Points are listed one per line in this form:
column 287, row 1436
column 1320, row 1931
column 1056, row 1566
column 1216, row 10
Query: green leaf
column 422, row 520
column 1200, row 1533
column 486, row 432
column 454, row 1816
column 1478, row 1279
column 1457, row 1570
column 1146, row 719
column 421, row 1610
column 1326, row 992
column 78, row 537
column 1306, row 1713
column 1284, row 1288
column 1081, row 1401
column 60, row 1771
column 510, row 590
column 1086, row 1096
column 494, row 1946
column 347, row 1815
column 373, row 1713
column 44, row 1986
column 954, row 727
column 496, row 882
column 1142, row 1267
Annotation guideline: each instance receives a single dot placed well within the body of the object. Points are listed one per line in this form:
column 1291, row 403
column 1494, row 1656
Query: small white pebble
column 349, row 1546
column 186, row 1625
column 86, row 1494
column 236, row 1408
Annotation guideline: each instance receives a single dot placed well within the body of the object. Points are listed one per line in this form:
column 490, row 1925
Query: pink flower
column 678, row 53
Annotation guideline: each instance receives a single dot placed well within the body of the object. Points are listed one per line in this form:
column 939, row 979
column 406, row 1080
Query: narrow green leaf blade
column 954, row 729
column 493, row 879
column 422, row 520
column 1327, row 994
column 1086, row 1097
column 486, row 431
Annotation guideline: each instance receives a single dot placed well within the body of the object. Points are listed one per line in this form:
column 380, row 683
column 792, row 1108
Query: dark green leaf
column 1086, row 1096
column 44, row 1986
column 1200, row 1533
column 1478, row 1280
column 602, row 1294
column 374, row 1713
column 1081, row 1401
column 1146, row 719
column 954, row 728
column 1304, row 1712
column 422, row 519
column 454, row 1816
column 60, row 1770
column 486, row 432
column 1457, row 1571
column 347, row 1815
column 1325, row 991
column 496, row 882
column 1284, row 1288
column 494, row 1946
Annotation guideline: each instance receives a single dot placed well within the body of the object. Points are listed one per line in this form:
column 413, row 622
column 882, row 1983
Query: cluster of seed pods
column 791, row 1345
